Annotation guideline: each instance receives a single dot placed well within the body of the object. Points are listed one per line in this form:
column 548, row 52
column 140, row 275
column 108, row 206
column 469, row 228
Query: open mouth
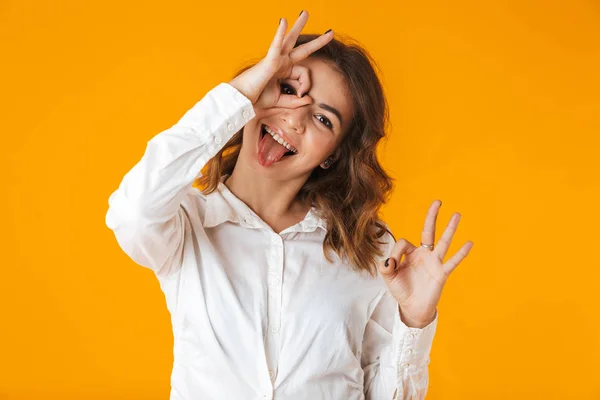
column 264, row 131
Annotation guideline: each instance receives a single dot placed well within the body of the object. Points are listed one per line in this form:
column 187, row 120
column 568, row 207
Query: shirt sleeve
column 395, row 357
column 145, row 211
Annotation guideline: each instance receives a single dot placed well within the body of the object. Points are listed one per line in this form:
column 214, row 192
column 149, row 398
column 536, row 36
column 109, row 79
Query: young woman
column 281, row 281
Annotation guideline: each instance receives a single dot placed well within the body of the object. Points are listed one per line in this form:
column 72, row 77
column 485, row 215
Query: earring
column 327, row 164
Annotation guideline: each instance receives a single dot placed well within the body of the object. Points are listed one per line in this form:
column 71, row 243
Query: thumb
column 293, row 101
column 387, row 268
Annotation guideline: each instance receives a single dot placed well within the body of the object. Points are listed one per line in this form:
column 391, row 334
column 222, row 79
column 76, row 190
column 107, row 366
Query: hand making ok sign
column 417, row 279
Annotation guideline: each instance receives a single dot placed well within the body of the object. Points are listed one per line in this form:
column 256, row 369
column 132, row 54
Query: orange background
column 495, row 109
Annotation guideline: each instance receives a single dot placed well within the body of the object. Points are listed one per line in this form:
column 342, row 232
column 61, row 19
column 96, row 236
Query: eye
column 285, row 86
column 289, row 89
column 325, row 121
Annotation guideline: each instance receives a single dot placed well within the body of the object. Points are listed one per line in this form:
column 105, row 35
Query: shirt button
column 404, row 365
column 407, row 351
column 271, row 374
column 218, row 140
column 245, row 114
column 231, row 127
column 409, row 336
column 275, row 281
column 274, row 328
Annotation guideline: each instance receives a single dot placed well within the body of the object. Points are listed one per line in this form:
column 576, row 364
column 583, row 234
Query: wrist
column 243, row 89
column 253, row 81
column 415, row 323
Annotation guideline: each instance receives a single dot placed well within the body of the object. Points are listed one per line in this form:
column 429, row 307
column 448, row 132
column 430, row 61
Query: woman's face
column 314, row 129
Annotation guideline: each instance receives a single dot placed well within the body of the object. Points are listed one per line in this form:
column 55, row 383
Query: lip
column 283, row 136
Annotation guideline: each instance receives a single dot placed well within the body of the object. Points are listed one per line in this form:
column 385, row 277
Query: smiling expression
column 311, row 132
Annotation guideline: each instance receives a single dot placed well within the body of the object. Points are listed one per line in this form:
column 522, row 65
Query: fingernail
column 301, row 12
column 387, row 263
column 327, row 32
column 280, row 21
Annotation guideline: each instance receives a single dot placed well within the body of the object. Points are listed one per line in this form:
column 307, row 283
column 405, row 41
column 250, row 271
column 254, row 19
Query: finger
column 428, row 234
column 292, row 101
column 293, row 83
column 277, row 42
column 442, row 246
column 306, row 49
column 457, row 258
column 292, row 36
column 402, row 247
column 301, row 75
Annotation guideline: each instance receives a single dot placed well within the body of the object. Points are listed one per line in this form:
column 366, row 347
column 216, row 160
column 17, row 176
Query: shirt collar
column 222, row 206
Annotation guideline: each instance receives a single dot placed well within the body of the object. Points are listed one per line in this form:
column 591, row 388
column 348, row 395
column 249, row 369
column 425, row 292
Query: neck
column 270, row 199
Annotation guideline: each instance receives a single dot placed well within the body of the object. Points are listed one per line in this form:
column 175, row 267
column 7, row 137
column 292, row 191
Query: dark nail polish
column 327, row 32
column 301, row 12
column 280, row 21
column 387, row 263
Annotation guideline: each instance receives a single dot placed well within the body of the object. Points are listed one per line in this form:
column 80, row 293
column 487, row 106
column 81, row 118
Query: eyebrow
column 331, row 110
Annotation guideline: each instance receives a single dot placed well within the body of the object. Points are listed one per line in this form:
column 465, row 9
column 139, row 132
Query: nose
column 296, row 118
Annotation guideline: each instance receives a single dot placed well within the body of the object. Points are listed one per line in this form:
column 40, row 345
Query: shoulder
column 195, row 202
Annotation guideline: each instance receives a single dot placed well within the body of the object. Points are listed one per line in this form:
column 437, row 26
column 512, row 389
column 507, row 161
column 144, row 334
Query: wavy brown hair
column 349, row 194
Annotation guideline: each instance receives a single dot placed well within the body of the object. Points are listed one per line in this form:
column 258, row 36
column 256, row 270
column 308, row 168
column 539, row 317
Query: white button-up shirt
column 256, row 314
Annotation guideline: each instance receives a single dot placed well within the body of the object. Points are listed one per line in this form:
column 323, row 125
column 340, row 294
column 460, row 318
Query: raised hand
column 260, row 83
column 417, row 280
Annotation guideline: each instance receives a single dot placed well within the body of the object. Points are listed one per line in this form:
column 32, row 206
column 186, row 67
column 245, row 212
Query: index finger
column 301, row 74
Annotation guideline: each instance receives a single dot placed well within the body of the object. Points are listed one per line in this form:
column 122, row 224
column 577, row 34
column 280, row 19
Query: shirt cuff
column 411, row 346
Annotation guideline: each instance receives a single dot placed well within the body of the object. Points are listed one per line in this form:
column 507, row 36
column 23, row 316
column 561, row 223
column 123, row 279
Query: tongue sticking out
column 269, row 151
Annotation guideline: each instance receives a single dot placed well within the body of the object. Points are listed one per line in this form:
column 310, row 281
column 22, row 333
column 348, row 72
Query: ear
column 333, row 157
column 336, row 154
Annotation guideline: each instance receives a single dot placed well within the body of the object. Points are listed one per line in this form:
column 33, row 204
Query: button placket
column 274, row 280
